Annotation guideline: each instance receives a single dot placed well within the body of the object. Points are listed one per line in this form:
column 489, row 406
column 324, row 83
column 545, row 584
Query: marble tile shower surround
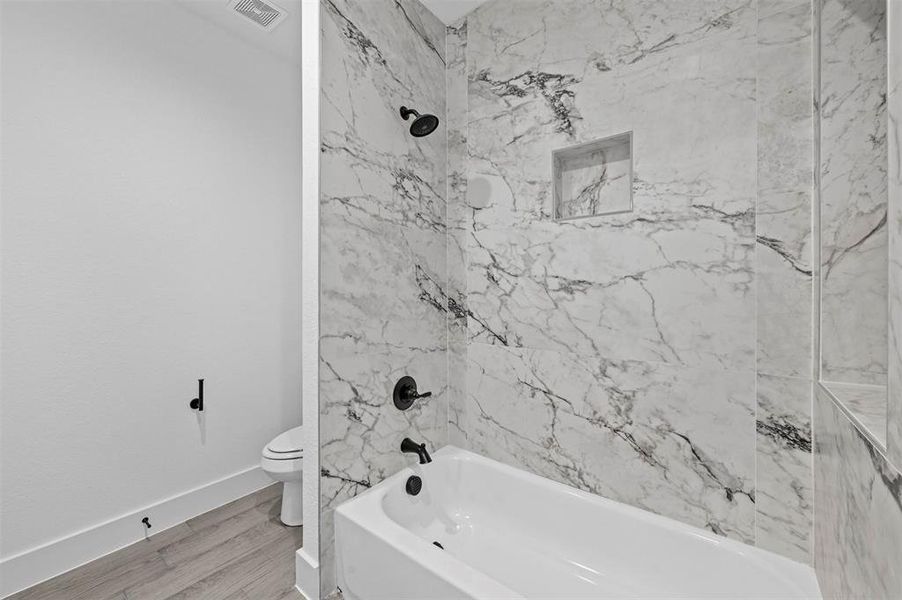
column 615, row 354
column 602, row 350
column 858, row 486
column 671, row 281
column 853, row 191
column 783, row 230
column 858, row 504
column 784, row 485
column 783, row 274
column 621, row 429
column 458, row 224
column 867, row 403
column 383, row 251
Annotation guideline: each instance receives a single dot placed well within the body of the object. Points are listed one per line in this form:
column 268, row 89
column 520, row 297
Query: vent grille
column 264, row 14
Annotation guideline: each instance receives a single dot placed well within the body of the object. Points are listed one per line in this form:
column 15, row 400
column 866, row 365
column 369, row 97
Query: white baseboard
column 307, row 574
column 39, row 564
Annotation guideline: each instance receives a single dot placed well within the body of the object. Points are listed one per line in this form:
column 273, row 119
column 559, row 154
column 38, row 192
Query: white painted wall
column 149, row 235
column 307, row 560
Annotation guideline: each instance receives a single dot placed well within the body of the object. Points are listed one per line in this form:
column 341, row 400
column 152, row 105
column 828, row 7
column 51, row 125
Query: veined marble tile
column 383, row 281
column 784, row 320
column 784, row 278
column 853, row 191
column 767, row 8
column 360, row 429
column 785, row 180
column 854, row 313
column 894, row 104
column 784, row 482
column 671, row 288
column 784, row 96
column 867, row 403
column 459, row 216
column 327, row 572
column 672, row 281
column 676, row 441
column 858, row 508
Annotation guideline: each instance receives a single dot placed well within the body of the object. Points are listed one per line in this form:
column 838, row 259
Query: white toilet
column 282, row 460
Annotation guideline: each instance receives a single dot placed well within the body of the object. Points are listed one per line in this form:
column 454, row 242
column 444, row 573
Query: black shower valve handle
column 405, row 393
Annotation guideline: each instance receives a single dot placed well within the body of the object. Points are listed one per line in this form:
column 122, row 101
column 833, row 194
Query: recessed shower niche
column 594, row 179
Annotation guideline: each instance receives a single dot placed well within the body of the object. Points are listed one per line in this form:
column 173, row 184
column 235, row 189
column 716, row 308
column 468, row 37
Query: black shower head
column 422, row 125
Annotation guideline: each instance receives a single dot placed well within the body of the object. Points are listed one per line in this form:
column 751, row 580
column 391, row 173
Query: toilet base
column 292, row 504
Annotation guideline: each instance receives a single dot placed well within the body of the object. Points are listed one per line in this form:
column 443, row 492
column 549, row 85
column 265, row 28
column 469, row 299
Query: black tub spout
column 408, row 445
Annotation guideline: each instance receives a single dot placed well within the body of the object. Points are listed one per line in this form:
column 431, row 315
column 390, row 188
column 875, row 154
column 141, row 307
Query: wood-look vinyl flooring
column 240, row 551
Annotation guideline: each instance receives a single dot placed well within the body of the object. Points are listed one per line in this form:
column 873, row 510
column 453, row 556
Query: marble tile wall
column 383, row 303
column 618, row 354
column 674, row 440
column 858, row 508
column 660, row 357
column 858, row 484
column 458, row 220
column 783, row 265
column 853, row 202
column 785, row 184
column 784, row 490
column 601, row 351
column 671, row 282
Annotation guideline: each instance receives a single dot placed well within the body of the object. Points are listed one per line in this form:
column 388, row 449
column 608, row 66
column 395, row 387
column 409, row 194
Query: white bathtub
column 510, row 534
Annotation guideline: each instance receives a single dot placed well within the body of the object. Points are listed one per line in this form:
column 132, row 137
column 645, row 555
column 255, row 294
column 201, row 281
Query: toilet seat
column 286, row 446
column 286, row 456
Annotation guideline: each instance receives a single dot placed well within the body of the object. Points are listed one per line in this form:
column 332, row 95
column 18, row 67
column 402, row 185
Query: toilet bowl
column 283, row 460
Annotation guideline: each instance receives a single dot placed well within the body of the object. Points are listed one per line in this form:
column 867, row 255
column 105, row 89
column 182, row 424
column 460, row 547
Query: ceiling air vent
column 265, row 14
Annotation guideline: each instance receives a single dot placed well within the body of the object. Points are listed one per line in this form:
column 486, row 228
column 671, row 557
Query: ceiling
column 451, row 10
column 283, row 41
